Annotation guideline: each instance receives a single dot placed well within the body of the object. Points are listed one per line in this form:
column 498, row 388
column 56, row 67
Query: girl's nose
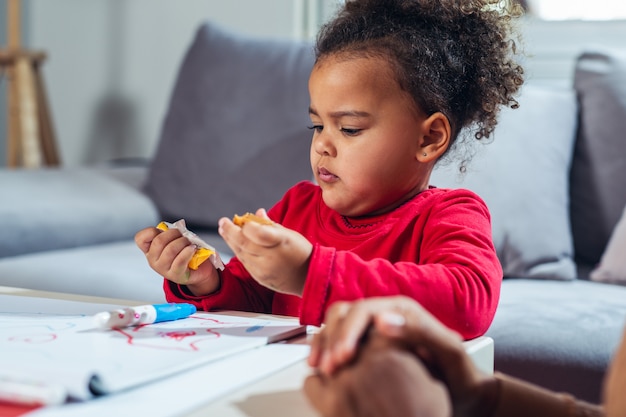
column 322, row 144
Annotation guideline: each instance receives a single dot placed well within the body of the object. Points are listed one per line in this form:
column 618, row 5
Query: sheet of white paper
column 49, row 342
column 183, row 393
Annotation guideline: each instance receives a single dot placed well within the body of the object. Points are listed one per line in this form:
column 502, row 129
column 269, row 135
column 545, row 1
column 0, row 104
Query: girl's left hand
column 276, row 257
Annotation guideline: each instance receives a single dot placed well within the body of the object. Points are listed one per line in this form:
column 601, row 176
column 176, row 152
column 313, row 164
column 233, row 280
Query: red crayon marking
column 34, row 339
column 134, row 338
column 225, row 323
column 16, row 410
column 178, row 335
column 209, row 319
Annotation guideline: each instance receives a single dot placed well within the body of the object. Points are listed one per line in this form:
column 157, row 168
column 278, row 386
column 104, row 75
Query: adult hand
column 169, row 252
column 383, row 381
column 276, row 257
column 407, row 326
column 615, row 381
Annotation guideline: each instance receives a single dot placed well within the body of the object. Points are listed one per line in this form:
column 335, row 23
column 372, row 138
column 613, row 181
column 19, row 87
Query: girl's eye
column 350, row 132
column 316, row 128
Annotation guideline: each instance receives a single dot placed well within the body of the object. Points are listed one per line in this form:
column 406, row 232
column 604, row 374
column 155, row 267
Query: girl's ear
column 436, row 137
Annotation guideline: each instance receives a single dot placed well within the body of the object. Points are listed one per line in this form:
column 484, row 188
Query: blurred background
column 111, row 64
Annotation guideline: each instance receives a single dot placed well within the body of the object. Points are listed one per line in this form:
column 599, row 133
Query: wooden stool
column 31, row 141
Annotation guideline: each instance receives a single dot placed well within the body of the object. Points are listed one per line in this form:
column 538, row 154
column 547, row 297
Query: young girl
column 393, row 84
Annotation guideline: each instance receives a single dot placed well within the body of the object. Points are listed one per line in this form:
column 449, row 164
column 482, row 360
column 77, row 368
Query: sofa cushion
column 234, row 138
column 560, row 335
column 599, row 164
column 523, row 177
column 612, row 267
column 115, row 270
column 58, row 208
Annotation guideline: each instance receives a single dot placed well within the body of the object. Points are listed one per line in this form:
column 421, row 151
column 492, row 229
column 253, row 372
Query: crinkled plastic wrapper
column 203, row 252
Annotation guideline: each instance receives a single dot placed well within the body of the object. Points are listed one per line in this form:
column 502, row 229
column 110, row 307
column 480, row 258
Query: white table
column 278, row 394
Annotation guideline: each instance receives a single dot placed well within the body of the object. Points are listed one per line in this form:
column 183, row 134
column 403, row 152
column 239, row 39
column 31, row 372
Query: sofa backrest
column 555, row 176
column 522, row 174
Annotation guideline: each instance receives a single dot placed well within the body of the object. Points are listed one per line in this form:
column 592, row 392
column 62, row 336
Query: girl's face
column 366, row 139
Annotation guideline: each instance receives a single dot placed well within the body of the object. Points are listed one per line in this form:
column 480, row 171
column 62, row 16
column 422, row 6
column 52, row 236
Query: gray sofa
column 235, row 138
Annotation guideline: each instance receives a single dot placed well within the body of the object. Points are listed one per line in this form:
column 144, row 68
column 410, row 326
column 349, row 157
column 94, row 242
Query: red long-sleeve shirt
column 436, row 248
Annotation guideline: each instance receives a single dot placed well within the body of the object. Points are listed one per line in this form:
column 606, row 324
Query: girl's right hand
column 169, row 252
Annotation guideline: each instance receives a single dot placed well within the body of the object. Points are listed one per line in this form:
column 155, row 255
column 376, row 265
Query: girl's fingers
column 144, row 238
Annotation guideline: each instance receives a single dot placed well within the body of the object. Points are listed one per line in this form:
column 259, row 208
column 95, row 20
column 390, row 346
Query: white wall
column 553, row 46
column 112, row 63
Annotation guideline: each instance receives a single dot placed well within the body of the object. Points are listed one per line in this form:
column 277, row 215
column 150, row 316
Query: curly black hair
column 456, row 57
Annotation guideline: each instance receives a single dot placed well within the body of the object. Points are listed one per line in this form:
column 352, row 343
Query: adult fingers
column 346, row 324
column 321, row 341
column 328, row 396
column 422, row 333
column 345, row 327
column 346, row 332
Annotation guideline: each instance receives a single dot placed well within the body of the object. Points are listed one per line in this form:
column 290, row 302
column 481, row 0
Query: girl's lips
column 325, row 175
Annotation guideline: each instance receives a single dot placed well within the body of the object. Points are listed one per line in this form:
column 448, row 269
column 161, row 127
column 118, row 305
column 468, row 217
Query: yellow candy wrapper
column 203, row 252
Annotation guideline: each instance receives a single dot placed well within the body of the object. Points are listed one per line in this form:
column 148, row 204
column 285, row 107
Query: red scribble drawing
column 183, row 340
column 178, row 335
column 34, row 339
column 188, row 339
column 32, row 333
column 216, row 321
column 21, row 326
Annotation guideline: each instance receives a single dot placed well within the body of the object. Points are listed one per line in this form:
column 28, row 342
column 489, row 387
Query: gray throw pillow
column 523, row 177
column 235, row 136
column 598, row 178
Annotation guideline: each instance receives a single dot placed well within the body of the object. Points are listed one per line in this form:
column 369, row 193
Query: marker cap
column 173, row 311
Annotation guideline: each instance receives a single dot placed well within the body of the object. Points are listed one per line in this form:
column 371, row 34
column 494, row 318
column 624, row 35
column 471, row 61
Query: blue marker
column 135, row 316
column 254, row 328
